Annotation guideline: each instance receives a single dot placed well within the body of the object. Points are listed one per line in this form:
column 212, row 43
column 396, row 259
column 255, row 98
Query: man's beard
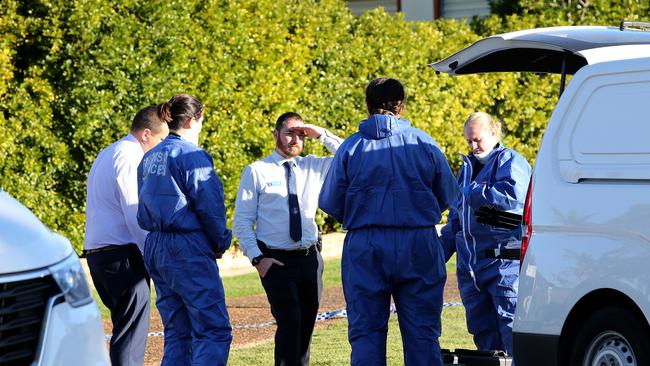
column 292, row 150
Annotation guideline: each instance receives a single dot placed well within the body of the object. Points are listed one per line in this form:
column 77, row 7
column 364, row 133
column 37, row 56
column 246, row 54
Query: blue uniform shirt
column 180, row 192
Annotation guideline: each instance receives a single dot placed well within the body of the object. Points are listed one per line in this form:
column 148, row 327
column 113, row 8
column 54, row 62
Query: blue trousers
column 408, row 265
column 490, row 298
column 190, row 299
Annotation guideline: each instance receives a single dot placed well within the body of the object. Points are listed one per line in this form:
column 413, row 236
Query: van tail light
column 526, row 222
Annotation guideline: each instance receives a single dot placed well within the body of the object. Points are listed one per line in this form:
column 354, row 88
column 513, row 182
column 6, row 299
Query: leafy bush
column 73, row 74
column 574, row 12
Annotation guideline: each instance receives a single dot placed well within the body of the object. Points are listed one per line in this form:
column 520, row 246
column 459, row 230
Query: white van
column 47, row 316
column 584, row 291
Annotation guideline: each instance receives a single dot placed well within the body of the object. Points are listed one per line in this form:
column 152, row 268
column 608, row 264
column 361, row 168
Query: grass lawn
column 330, row 344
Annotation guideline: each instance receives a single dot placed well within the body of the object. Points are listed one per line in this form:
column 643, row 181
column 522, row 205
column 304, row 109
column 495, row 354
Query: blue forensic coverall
column 388, row 184
column 488, row 286
column 182, row 207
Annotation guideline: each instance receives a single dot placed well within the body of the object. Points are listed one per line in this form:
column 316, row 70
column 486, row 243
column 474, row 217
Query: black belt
column 105, row 249
column 302, row 252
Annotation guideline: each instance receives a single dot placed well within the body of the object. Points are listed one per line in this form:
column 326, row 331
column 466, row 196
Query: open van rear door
column 558, row 50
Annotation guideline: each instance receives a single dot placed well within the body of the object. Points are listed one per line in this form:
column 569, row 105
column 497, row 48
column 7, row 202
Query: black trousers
column 122, row 282
column 294, row 291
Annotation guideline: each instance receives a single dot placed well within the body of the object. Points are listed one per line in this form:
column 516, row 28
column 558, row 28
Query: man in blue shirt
column 114, row 241
column 274, row 222
column 182, row 207
column 388, row 185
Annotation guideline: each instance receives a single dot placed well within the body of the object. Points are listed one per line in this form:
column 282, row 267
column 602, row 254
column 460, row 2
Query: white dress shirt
column 112, row 196
column 262, row 200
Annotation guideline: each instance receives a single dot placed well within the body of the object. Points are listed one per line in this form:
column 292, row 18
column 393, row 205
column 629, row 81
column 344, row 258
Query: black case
column 468, row 357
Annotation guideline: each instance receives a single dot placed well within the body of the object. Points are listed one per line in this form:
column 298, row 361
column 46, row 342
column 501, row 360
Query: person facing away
column 496, row 176
column 182, row 207
column 278, row 195
column 113, row 242
column 388, row 185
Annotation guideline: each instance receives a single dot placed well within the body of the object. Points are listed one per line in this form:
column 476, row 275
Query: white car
column 584, row 290
column 47, row 315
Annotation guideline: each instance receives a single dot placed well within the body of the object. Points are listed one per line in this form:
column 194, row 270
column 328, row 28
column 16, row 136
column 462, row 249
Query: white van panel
column 604, row 133
column 568, row 265
column 590, row 226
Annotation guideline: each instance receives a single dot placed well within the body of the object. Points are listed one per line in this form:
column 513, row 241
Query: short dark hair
column 385, row 95
column 148, row 117
column 284, row 118
column 180, row 107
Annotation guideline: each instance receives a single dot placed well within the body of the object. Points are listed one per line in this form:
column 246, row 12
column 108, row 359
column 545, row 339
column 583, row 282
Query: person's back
column 114, row 241
column 393, row 169
column 388, row 184
column 165, row 204
column 182, row 205
column 104, row 201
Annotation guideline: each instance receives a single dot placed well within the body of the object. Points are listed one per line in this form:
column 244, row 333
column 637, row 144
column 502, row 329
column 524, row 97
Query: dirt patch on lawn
column 254, row 310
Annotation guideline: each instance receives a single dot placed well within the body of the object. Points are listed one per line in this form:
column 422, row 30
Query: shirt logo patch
column 276, row 183
column 155, row 164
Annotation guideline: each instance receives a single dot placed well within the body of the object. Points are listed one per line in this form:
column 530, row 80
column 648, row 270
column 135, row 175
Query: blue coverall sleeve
column 446, row 190
column 445, row 186
column 508, row 188
column 448, row 234
column 335, row 187
column 205, row 193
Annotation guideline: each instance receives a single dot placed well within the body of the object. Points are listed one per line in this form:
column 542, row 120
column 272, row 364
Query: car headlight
column 70, row 277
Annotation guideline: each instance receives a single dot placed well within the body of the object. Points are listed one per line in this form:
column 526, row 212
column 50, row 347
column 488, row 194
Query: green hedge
column 73, row 74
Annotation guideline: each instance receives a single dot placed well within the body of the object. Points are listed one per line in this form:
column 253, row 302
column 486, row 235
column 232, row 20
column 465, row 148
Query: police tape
column 341, row 313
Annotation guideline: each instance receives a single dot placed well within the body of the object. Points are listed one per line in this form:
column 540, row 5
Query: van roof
column 547, row 50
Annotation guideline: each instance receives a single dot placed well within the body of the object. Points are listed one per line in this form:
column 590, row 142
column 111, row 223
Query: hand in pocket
column 266, row 263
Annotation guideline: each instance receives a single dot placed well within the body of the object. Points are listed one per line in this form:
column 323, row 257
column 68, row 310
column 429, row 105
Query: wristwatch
column 255, row 261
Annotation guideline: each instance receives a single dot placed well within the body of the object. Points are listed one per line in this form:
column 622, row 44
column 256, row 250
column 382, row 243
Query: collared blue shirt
column 262, row 200
column 112, row 196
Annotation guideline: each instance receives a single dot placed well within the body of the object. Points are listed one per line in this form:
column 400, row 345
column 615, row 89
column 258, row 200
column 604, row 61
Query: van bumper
column 532, row 349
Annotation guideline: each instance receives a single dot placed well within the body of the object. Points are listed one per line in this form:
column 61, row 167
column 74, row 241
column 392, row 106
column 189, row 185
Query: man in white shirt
column 114, row 242
column 278, row 195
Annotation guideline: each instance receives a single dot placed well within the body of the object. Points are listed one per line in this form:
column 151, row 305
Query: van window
column 607, row 138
